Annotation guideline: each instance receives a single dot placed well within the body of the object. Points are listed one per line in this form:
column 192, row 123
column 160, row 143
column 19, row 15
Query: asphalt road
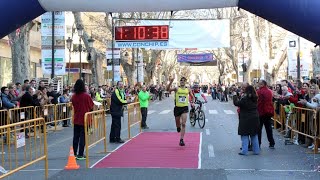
column 219, row 152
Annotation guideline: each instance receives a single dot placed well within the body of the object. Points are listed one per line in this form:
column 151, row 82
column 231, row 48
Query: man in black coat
column 118, row 99
column 28, row 100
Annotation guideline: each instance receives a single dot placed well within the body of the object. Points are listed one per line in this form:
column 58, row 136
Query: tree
column 183, row 71
column 20, row 52
column 95, row 54
column 151, row 59
column 212, row 74
column 168, row 64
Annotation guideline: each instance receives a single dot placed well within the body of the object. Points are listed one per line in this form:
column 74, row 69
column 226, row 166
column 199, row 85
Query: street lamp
column 80, row 34
column 90, row 44
column 69, row 46
column 114, row 20
column 233, row 48
column 137, row 62
column 244, row 66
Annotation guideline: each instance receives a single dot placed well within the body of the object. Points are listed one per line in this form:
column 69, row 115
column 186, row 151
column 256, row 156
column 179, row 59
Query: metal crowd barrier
column 106, row 104
column 63, row 112
column 20, row 114
column 134, row 116
column 95, row 131
column 275, row 116
column 21, row 152
column 4, row 117
column 98, row 107
column 47, row 112
column 282, row 117
column 304, row 122
column 279, row 119
column 17, row 115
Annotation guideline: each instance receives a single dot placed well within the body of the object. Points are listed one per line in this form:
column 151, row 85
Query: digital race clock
column 142, row 33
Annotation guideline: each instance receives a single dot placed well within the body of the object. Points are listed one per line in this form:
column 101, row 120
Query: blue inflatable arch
column 301, row 17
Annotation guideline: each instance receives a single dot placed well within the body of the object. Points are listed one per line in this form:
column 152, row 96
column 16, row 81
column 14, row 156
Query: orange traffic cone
column 72, row 163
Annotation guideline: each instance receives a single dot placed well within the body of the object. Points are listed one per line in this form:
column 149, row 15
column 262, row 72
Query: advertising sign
column 59, row 43
column 195, row 58
column 202, row 34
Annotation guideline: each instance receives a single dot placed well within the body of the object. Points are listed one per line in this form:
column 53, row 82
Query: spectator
column 118, row 99
column 266, row 111
column 6, row 103
column 18, row 89
column 27, row 100
column 53, row 94
column 65, row 99
column 82, row 104
column 248, row 119
column 144, row 98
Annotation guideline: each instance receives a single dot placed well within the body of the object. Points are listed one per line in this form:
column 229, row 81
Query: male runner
column 181, row 106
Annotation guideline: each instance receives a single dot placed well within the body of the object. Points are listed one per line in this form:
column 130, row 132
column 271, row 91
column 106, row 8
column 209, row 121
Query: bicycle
column 197, row 115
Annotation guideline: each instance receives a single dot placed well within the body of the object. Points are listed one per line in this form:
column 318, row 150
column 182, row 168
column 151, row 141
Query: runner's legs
column 183, row 124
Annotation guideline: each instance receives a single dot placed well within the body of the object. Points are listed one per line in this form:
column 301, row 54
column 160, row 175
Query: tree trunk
column 280, row 58
column 94, row 55
column 151, row 65
column 129, row 69
column 20, row 53
column 100, row 71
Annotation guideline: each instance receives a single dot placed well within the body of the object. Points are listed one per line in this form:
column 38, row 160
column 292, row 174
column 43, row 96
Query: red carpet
column 155, row 150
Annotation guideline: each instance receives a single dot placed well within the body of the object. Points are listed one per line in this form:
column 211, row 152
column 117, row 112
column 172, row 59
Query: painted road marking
column 207, row 120
column 165, row 112
column 213, row 112
column 207, row 132
column 199, row 155
column 228, row 112
column 211, row 151
column 151, row 111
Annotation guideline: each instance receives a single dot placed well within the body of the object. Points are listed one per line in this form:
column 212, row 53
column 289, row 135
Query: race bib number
column 182, row 99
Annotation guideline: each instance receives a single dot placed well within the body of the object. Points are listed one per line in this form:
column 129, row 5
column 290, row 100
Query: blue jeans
column 213, row 95
column 245, row 143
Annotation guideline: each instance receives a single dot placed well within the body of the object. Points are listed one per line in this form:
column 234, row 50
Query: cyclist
column 181, row 106
column 196, row 92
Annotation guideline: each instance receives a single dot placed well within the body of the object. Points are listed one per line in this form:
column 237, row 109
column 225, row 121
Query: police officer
column 118, row 99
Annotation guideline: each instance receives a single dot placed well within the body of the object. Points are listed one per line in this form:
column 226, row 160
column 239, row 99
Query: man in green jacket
column 144, row 103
